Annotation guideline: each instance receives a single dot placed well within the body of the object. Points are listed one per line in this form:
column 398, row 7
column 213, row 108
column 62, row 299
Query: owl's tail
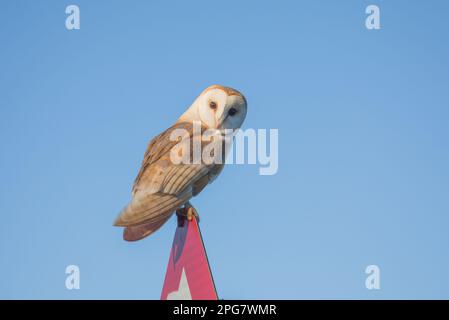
column 148, row 212
column 143, row 230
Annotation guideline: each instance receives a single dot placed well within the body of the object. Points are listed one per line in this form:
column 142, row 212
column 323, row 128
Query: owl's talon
column 191, row 212
column 187, row 212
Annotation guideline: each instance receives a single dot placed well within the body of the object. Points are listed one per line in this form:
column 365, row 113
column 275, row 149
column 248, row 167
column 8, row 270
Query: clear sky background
column 363, row 145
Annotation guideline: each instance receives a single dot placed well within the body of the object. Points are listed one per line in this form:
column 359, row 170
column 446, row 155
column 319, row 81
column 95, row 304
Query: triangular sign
column 188, row 274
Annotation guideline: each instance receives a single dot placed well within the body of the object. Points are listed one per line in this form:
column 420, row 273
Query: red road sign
column 188, row 274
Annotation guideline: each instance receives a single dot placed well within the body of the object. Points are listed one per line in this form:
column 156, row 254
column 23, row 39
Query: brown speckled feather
column 161, row 186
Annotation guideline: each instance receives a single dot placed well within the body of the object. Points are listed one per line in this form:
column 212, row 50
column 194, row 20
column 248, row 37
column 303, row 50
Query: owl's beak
column 221, row 120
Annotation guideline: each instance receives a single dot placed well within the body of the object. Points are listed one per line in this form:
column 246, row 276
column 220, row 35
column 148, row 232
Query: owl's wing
column 158, row 147
column 162, row 186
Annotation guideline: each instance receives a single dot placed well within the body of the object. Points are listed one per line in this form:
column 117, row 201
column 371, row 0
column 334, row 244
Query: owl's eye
column 213, row 105
column 232, row 111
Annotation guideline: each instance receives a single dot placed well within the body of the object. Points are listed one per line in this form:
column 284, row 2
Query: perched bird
column 162, row 186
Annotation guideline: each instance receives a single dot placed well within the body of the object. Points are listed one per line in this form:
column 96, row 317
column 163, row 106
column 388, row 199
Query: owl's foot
column 187, row 212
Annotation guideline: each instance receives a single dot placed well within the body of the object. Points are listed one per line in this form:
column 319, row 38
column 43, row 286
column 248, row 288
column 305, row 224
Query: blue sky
column 363, row 145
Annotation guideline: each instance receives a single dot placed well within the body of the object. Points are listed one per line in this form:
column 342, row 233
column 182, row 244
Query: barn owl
column 161, row 186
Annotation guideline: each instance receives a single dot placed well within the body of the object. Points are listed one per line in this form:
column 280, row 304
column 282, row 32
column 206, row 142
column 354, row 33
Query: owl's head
column 218, row 107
